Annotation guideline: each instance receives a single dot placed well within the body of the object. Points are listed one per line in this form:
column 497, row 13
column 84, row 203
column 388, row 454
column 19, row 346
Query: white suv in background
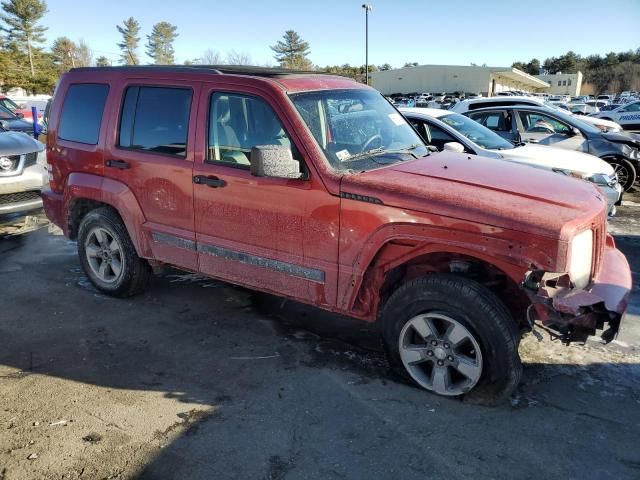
column 466, row 105
column 628, row 115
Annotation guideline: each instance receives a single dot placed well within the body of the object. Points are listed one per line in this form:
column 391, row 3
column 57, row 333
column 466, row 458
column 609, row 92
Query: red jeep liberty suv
column 315, row 188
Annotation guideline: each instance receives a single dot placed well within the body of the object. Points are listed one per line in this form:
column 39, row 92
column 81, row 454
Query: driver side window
column 236, row 124
column 438, row 136
column 539, row 123
column 634, row 107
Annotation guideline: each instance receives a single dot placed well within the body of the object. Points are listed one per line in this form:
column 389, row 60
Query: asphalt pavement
column 199, row 379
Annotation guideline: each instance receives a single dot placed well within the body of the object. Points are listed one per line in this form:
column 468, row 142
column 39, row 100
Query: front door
column 152, row 154
column 536, row 127
column 278, row 235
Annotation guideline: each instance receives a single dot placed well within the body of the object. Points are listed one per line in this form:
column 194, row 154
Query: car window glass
column 156, row 119
column 422, row 129
column 239, row 122
column 495, row 121
column 82, row 113
column 539, row 123
column 439, row 137
column 634, row 107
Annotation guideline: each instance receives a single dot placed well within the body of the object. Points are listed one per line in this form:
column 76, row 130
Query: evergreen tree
column 292, row 51
column 102, row 61
column 130, row 39
column 160, row 43
column 64, row 52
column 21, row 24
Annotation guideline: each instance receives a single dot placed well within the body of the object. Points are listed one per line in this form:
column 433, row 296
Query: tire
column 442, row 300
column 108, row 256
column 627, row 174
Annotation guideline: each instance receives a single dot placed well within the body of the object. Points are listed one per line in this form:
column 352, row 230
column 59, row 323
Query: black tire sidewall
column 485, row 318
column 102, row 219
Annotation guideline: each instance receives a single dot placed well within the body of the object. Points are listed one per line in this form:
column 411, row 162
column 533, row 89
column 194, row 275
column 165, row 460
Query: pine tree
column 64, row 52
column 130, row 40
column 160, row 43
column 21, row 24
column 292, row 51
column 102, row 61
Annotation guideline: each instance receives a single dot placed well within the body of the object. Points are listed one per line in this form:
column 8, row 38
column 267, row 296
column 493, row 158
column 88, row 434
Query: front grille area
column 31, row 159
column 19, row 197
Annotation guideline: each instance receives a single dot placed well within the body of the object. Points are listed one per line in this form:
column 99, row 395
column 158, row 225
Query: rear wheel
column 452, row 336
column 626, row 172
column 108, row 256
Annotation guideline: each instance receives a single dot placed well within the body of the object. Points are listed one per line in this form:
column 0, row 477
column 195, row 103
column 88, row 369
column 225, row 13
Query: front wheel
column 452, row 336
column 626, row 172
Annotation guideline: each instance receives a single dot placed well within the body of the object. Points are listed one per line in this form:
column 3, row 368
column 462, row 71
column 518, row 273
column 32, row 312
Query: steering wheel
column 369, row 142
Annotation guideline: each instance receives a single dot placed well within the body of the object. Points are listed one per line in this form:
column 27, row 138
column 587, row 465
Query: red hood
column 484, row 190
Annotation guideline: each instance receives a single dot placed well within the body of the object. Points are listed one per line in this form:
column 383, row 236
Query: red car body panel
column 331, row 239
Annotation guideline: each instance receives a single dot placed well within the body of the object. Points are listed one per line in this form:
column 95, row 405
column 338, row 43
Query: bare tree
column 238, row 58
column 210, row 57
column 83, row 54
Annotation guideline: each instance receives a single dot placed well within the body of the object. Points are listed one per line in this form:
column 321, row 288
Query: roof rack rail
column 215, row 69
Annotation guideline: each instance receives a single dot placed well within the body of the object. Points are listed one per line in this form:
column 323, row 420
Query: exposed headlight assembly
column 581, row 258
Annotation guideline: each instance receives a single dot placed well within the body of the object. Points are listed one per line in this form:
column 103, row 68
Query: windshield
column 358, row 129
column 475, row 132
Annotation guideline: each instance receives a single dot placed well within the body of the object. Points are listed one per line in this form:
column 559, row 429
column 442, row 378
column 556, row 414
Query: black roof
column 214, row 69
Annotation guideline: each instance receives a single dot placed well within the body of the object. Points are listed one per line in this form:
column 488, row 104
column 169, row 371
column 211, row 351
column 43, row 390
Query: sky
column 455, row 32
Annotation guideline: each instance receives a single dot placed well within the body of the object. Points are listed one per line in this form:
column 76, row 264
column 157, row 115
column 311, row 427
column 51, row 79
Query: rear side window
column 82, row 113
column 156, row 119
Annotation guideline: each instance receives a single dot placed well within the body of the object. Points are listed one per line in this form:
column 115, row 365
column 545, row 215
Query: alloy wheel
column 104, row 255
column 440, row 354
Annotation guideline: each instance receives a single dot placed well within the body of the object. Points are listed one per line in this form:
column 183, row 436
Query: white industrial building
column 563, row 83
column 487, row 81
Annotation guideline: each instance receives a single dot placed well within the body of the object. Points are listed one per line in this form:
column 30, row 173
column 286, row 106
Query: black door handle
column 211, row 181
column 121, row 164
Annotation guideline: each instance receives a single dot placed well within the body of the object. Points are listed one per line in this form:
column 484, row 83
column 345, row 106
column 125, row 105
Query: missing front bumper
column 575, row 314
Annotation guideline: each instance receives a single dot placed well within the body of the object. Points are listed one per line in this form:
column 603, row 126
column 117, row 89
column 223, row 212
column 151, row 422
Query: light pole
column 367, row 9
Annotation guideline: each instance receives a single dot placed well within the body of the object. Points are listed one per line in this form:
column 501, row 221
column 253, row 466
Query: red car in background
column 15, row 108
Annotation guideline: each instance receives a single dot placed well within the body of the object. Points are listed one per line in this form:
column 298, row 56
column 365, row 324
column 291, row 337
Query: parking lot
column 200, row 379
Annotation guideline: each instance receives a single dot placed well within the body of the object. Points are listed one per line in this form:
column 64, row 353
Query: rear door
column 275, row 234
column 151, row 152
column 499, row 121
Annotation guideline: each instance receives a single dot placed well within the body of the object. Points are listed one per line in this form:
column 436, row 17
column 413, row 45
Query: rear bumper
column 53, row 204
column 575, row 314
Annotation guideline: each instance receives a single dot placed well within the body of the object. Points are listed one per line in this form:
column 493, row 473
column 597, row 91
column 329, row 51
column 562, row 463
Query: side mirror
column 575, row 131
column 453, row 147
column 19, row 114
column 274, row 161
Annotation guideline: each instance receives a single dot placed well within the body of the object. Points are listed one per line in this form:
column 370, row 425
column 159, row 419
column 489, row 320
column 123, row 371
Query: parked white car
column 627, row 115
column 466, row 105
column 447, row 130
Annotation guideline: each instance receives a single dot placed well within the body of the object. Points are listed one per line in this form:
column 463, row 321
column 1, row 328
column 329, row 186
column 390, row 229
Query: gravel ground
column 199, row 379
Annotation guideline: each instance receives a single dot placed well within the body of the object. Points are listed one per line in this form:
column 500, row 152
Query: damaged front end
column 573, row 314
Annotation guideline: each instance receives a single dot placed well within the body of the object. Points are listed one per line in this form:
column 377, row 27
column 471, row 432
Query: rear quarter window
column 82, row 112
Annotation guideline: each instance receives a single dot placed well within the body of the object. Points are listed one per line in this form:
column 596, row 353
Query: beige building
column 487, row 81
column 563, row 83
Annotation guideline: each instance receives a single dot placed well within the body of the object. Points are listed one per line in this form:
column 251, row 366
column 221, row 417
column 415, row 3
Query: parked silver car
column 22, row 173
